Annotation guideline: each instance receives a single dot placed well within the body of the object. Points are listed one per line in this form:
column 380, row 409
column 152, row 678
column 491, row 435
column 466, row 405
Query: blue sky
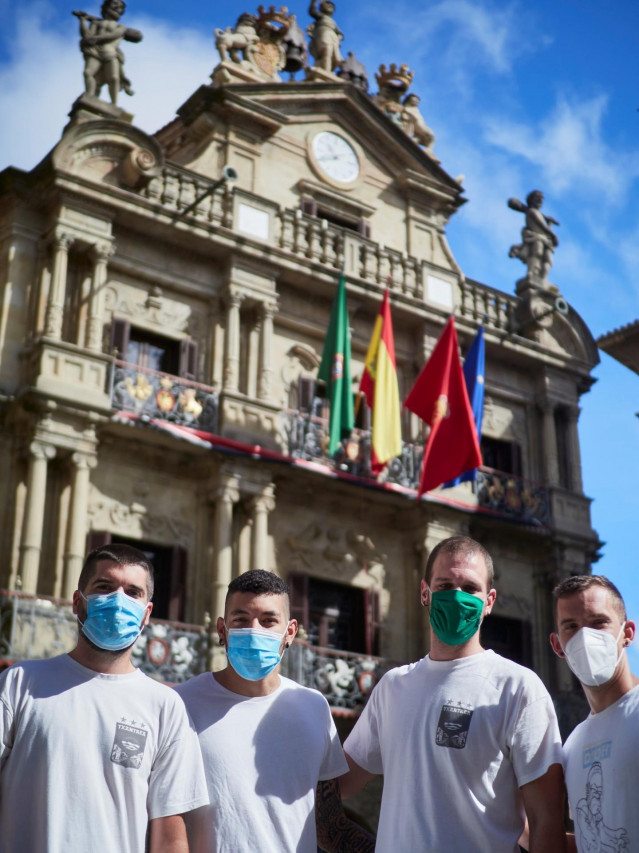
column 519, row 95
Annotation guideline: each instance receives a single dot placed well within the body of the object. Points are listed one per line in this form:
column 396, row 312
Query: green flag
column 335, row 370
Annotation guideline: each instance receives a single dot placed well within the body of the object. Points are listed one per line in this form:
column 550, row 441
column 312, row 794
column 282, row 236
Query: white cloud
column 568, row 149
column 44, row 77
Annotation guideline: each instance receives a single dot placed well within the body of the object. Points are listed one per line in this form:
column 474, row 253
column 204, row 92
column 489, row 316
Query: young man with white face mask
column 467, row 740
column 270, row 747
column 600, row 756
column 92, row 752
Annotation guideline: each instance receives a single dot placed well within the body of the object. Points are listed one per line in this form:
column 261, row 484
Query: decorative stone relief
column 135, row 521
column 501, row 421
column 154, row 310
column 336, row 552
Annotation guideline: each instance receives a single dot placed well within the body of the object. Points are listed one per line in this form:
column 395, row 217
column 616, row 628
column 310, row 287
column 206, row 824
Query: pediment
column 286, row 114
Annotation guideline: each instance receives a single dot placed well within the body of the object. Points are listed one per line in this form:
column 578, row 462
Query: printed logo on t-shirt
column 128, row 744
column 596, row 752
column 453, row 725
column 592, row 828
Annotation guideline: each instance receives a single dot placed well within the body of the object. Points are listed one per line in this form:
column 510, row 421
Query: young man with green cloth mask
column 467, row 740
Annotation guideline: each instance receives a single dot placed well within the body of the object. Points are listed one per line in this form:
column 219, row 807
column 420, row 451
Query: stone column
column 227, row 495
column 77, row 521
column 232, row 342
column 261, row 506
column 576, row 482
column 33, row 520
column 551, row 463
column 266, row 343
column 101, row 253
column 58, row 287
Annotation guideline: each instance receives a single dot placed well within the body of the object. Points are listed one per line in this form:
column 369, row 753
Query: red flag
column 439, row 397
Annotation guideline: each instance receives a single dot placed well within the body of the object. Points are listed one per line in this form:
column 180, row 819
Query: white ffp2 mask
column 592, row 655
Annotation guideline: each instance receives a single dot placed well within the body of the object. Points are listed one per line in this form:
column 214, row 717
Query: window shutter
column 516, row 460
column 120, row 334
column 188, row 359
column 305, row 392
column 177, row 593
column 373, row 623
column 97, row 538
column 298, row 595
column 308, row 206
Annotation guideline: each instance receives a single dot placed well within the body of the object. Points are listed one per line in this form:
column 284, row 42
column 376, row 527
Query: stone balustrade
column 318, row 241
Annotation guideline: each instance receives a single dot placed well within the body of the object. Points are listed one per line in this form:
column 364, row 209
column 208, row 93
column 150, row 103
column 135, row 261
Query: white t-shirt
column 87, row 759
column 455, row 740
column 601, row 764
column 263, row 758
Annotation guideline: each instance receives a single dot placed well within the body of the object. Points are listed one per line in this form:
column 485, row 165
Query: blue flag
column 474, row 376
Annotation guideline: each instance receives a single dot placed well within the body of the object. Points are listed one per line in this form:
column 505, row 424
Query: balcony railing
column 308, row 437
column 513, row 496
column 35, row 627
column 345, row 678
column 162, row 396
column 504, row 493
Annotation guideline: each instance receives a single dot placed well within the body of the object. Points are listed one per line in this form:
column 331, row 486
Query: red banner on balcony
column 439, row 397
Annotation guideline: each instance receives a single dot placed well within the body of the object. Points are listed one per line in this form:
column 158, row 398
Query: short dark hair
column 459, row 545
column 123, row 555
column 257, row 582
column 580, row 583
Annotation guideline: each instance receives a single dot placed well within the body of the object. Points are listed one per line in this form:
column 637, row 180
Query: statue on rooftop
column 325, row 36
column 413, row 122
column 538, row 240
column 100, row 46
column 231, row 42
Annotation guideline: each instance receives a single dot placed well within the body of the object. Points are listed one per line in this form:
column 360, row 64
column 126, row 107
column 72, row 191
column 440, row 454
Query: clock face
column 336, row 157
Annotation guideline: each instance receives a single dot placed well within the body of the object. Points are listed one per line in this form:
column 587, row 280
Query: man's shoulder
column 300, row 693
column 503, row 669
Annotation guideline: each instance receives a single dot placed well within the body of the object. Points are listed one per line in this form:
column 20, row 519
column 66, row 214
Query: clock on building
column 335, row 157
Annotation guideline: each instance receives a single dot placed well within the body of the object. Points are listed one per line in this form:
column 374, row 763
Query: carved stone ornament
column 336, row 552
column 109, row 152
column 134, row 521
column 402, row 108
column 255, row 49
column 353, row 71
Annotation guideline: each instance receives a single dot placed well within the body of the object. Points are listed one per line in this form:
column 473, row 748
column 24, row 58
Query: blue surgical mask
column 114, row 621
column 253, row 652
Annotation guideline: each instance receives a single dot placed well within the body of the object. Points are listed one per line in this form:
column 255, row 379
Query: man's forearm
column 336, row 833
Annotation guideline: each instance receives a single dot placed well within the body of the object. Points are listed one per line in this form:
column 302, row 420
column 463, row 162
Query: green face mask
column 455, row 615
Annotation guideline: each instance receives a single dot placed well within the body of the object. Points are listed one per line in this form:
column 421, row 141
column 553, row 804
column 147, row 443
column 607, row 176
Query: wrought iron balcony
column 308, row 436
column 164, row 397
column 500, row 492
column 35, row 627
column 345, row 678
column 513, row 496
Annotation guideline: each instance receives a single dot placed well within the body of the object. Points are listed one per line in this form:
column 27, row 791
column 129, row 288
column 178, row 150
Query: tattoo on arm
column 337, row 833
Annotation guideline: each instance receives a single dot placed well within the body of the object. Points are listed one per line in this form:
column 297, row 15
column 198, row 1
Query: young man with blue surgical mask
column 269, row 744
column 467, row 740
column 600, row 756
column 92, row 752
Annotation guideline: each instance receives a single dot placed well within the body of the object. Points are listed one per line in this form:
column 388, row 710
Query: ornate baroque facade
column 157, row 358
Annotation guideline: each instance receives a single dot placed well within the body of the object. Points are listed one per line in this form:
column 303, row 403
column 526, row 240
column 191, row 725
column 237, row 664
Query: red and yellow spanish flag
column 379, row 385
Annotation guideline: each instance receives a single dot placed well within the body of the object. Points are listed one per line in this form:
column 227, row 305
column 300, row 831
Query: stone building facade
column 157, row 366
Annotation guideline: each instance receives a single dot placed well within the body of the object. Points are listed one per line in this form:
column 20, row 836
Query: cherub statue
column 100, row 46
column 538, row 239
column 325, row 36
column 413, row 122
column 230, row 42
